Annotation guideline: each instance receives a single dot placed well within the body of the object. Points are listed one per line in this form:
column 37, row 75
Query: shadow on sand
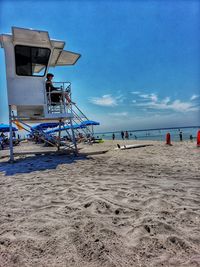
column 38, row 163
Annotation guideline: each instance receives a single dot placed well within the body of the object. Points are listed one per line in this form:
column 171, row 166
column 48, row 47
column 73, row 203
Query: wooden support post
column 11, row 136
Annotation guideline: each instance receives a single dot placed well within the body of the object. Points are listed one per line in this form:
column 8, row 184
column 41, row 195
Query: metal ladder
column 78, row 117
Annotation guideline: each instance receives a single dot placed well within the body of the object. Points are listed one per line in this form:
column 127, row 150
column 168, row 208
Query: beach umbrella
column 89, row 123
column 6, row 128
column 57, row 129
column 44, row 126
column 66, row 127
column 78, row 126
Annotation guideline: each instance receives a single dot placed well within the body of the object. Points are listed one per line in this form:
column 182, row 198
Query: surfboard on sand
column 131, row 146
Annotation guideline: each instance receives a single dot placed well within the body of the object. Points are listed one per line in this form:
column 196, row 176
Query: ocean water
column 157, row 135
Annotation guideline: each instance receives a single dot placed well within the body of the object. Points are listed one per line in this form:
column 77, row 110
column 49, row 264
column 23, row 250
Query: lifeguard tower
column 28, row 56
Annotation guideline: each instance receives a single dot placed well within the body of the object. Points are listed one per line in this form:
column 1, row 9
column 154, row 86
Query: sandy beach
column 138, row 207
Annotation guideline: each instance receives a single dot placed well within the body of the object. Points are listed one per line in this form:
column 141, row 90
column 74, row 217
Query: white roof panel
column 54, row 57
column 59, row 57
column 57, row 44
column 32, row 37
column 67, row 58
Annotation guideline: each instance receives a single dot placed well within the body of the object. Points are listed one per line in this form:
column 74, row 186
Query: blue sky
column 140, row 59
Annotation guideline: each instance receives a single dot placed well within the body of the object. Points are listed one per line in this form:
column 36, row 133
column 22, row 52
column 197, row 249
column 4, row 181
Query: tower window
column 31, row 61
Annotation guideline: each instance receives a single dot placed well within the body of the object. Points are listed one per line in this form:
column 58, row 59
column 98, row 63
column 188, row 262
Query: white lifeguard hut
column 28, row 56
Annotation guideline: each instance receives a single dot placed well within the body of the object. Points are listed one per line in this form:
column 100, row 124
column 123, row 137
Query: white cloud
column 166, row 100
column 120, row 98
column 152, row 97
column 182, row 106
column 193, row 97
column 107, row 100
column 176, row 105
column 151, row 101
column 145, row 96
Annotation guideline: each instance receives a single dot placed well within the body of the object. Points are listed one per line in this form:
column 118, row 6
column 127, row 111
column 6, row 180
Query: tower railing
column 59, row 100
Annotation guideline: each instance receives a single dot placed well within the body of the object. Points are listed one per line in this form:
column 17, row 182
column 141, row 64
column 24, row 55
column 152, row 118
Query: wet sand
column 136, row 207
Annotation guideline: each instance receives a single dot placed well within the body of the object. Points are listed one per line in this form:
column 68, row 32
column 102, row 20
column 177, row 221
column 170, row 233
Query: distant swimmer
column 181, row 136
column 126, row 135
column 122, row 135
